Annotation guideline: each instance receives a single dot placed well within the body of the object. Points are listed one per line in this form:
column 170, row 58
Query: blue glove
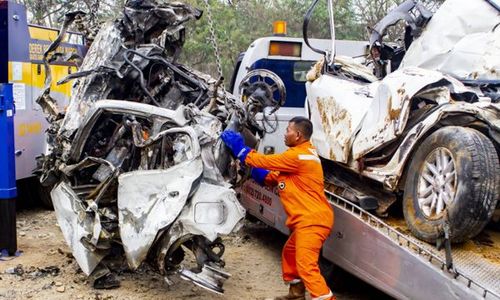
column 234, row 141
column 259, row 175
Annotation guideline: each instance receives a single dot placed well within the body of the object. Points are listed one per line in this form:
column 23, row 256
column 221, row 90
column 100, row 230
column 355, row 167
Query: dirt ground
column 47, row 269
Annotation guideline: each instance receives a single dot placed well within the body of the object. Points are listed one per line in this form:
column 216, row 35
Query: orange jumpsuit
column 299, row 176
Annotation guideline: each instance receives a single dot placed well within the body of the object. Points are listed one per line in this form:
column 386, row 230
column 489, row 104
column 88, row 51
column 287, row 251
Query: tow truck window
column 300, row 69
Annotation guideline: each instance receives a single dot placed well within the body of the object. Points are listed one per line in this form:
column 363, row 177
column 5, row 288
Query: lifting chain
column 93, row 11
column 213, row 41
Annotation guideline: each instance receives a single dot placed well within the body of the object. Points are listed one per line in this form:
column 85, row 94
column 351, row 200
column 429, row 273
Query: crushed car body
column 135, row 166
column 428, row 130
column 468, row 45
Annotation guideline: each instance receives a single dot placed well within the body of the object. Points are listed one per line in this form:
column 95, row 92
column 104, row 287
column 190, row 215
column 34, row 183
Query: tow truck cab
column 289, row 59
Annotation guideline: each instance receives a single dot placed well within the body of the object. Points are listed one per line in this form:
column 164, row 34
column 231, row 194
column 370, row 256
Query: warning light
column 279, row 28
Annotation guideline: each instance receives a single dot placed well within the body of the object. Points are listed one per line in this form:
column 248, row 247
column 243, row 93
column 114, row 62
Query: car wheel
column 454, row 172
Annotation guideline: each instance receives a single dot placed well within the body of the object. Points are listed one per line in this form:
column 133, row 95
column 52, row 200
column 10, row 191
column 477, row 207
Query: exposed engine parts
column 145, row 176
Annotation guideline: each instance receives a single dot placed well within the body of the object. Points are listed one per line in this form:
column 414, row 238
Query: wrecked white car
column 144, row 178
column 427, row 130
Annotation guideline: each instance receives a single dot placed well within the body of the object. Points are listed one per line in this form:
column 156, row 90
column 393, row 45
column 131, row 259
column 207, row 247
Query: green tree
column 239, row 22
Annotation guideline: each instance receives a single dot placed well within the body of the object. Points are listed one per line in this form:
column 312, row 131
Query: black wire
column 174, row 68
column 150, row 72
column 169, row 65
column 185, row 76
column 141, row 76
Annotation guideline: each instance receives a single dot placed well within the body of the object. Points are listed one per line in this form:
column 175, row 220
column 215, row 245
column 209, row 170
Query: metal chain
column 213, row 41
column 93, row 9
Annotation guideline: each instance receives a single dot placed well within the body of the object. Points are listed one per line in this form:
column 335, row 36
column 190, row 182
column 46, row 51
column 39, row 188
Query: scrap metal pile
column 144, row 177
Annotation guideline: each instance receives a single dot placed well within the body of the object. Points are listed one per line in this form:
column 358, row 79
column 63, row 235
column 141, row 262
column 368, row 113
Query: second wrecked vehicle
column 145, row 178
column 427, row 131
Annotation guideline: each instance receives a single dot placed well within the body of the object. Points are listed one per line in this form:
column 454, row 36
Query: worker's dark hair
column 304, row 126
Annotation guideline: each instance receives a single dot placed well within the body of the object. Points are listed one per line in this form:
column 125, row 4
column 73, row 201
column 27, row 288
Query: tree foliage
column 50, row 13
column 236, row 22
column 239, row 22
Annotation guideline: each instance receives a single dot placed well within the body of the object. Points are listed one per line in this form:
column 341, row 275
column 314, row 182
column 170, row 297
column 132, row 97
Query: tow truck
column 382, row 252
column 23, row 46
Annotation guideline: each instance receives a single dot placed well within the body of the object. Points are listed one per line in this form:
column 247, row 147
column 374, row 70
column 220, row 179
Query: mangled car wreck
column 426, row 127
column 145, row 176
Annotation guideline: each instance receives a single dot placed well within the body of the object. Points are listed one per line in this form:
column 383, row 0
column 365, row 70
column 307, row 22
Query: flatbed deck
column 386, row 255
column 402, row 266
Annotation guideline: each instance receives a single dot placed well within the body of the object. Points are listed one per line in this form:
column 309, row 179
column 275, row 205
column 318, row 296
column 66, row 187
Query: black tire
column 477, row 187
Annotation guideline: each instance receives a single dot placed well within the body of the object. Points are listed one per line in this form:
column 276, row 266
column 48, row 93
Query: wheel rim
column 437, row 183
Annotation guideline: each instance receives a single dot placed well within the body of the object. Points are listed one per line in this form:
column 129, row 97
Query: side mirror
column 329, row 55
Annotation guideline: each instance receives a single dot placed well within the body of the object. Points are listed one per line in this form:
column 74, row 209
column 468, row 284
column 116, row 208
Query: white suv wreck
column 144, row 178
column 426, row 127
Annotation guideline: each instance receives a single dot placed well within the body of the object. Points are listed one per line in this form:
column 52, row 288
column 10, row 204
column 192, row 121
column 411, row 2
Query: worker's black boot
column 297, row 291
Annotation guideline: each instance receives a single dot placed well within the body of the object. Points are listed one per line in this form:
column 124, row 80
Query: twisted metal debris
column 145, row 177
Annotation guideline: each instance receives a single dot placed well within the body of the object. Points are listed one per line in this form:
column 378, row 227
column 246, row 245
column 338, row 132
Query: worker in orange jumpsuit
column 299, row 176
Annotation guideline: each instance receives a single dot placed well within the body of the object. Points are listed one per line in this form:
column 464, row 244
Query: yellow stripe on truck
column 44, row 34
column 33, row 128
column 34, row 75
